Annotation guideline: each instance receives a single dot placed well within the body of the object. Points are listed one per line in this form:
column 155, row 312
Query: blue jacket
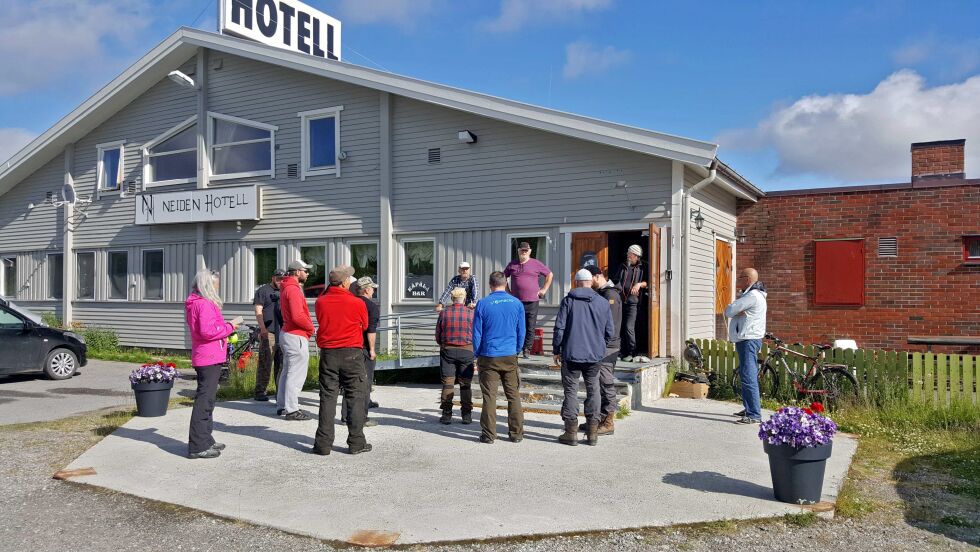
column 583, row 326
column 498, row 325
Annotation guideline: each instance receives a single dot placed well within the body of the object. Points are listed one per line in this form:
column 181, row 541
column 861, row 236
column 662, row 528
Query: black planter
column 797, row 473
column 152, row 398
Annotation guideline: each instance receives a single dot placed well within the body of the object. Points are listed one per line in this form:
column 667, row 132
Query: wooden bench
column 929, row 341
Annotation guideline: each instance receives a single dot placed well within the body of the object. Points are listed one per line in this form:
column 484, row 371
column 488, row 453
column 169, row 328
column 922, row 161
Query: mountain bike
column 831, row 384
column 240, row 353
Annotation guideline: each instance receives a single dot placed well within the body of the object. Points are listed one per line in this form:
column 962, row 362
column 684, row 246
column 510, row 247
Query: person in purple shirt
column 524, row 273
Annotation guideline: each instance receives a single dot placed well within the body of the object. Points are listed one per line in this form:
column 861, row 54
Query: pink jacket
column 208, row 331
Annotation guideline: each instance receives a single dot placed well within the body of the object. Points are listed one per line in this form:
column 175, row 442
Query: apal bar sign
column 242, row 203
column 286, row 24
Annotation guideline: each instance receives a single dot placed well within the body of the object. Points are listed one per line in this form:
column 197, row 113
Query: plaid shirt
column 472, row 290
column 455, row 326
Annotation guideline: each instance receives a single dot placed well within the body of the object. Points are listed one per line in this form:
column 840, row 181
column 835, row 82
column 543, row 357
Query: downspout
column 685, row 243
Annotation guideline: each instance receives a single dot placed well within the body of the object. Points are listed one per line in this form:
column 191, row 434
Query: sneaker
column 370, row 423
column 746, row 420
column 446, row 418
column 319, row 452
column 280, row 411
column 739, row 414
column 299, row 416
column 365, row 448
column 373, row 404
column 485, row 439
column 468, row 418
column 218, row 446
column 210, row 453
column 641, row 358
column 261, row 398
column 628, row 359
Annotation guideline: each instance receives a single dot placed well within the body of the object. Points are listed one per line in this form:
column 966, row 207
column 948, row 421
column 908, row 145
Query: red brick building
column 876, row 264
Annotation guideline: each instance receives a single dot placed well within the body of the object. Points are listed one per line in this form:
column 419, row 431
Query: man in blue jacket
column 498, row 334
column 583, row 327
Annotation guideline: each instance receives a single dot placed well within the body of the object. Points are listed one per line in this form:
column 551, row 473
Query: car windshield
column 25, row 313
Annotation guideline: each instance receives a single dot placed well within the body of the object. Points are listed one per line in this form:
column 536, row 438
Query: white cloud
column 914, row 53
column 953, row 60
column 583, row 58
column 866, row 137
column 514, row 14
column 48, row 40
column 404, row 13
column 12, row 140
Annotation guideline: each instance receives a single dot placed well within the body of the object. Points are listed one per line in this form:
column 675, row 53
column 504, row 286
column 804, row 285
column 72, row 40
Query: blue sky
column 798, row 94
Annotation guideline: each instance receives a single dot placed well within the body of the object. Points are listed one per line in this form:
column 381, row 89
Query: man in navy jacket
column 498, row 334
column 582, row 328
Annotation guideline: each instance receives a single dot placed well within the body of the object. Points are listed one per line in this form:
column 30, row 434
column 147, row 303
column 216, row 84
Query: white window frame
column 326, row 264
column 212, row 116
column 108, row 275
column 95, row 277
column 3, row 272
column 402, row 265
column 147, row 182
column 349, row 258
column 539, row 234
column 163, row 275
column 48, row 295
column 101, row 189
column 305, row 117
column 251, row 251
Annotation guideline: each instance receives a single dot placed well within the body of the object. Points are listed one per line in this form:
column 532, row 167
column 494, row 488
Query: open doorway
column 619, row 242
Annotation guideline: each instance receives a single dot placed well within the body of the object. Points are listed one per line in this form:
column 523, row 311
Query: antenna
column 68, row 194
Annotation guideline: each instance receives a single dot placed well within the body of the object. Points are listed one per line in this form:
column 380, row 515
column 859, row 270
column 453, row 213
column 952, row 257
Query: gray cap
column 279, row 274
column 339, row 274
column 583, row 275
column 298, row 265
column 366, row 282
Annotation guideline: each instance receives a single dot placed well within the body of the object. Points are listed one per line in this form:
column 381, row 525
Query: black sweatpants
column 202, row 422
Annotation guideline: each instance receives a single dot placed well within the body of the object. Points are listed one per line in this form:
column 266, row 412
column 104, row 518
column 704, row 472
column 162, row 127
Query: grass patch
column 802, row 519
column 623, row 411
column 851, row 502
column 672, row 368
column 140, row 356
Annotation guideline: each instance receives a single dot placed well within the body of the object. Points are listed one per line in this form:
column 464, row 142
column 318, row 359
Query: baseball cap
column 366, row 282
column 593, row 270
column 523, row 245
column 583, row 275
column 339, row 274
column 279, row 273
column 298, row 265
column 464, row 264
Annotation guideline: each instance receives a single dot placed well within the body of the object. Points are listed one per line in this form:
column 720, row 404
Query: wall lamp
column 466, row 137
column 698, row 218
column 182, row 79
column 626, row 187
column 740, row 235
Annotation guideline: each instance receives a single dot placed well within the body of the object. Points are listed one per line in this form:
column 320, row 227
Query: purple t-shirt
column 524, row 278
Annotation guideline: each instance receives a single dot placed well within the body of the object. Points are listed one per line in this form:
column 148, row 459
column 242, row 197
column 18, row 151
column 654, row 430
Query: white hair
column 204, row 285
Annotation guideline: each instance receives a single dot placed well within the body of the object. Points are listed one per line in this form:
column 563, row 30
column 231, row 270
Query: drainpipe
column 685, row 244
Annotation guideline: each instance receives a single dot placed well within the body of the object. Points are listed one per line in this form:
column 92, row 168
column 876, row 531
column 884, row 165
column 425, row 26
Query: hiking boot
column 373, row 404
column 467, row 418
column 485, row 439
column 592, row 434
column 210, row 453
column 570, row 437
column 608, row 425
column 261, row 397
column 365, row 448
column 299, row 416
column 446, row 418
column 320, row 452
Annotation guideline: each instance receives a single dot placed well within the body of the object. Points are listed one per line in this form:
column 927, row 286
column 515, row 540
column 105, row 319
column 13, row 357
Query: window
column 321, row 142
column 364, row 259
column 419, row 268
column 85, row 265
column 153, row 275
column 971, row 249
column 240, row 148
column 266, row 262
column 9, row 321
column 118, row 275
column 171, row 158
column 9, row 277
column 314, row 255
column 56, row 276
column 111, row 166
column 839, row 278
column 539, row 246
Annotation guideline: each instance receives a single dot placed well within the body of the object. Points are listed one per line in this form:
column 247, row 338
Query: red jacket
column 342, row 318
column 295, row 312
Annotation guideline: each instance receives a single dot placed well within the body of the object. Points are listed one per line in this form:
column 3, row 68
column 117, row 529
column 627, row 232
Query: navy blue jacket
column 583, row 326
column 498, row 325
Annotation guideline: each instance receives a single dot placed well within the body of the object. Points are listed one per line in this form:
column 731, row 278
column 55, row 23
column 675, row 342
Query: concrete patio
column 680, row 461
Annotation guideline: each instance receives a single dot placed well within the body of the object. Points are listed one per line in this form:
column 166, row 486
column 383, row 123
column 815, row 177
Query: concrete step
column 547, row 381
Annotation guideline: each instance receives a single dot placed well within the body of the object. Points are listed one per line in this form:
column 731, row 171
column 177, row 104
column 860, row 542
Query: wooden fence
column 940, row 378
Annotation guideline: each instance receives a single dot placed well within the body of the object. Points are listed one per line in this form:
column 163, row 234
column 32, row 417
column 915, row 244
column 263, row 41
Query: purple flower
column 153, row 373
column 797, row 428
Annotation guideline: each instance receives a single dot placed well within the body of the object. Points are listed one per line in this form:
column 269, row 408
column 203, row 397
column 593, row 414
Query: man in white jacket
column 746, row 327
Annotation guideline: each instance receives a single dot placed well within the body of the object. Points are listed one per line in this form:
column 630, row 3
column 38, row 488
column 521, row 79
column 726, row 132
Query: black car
column 28, row 345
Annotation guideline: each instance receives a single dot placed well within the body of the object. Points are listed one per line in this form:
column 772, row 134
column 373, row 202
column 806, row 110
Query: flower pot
column 152, row 398
column 797, row 473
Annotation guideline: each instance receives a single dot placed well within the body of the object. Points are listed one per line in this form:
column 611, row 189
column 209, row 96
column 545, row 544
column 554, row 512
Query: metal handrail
column 398, row 326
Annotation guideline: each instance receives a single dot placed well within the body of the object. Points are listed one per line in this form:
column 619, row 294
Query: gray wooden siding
column 24, row 230
column 32, row 275
column 513, row 176
column 718, row 208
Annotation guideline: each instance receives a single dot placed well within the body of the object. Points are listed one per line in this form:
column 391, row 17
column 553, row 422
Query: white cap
column 583, row 275
column 636, row 250
column 464, row 264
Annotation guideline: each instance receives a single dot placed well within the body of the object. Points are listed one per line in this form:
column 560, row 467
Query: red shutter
column 839, row 272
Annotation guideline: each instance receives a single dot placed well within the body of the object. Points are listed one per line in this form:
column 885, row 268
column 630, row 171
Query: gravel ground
column 41, row 514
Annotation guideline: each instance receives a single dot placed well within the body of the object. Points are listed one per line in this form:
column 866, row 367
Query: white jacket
column 747, row 316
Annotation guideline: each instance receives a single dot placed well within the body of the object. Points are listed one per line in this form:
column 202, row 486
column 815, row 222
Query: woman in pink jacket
column 208, row 353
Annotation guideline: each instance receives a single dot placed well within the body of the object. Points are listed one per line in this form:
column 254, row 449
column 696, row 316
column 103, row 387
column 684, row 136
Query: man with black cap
column 525, row 273
column 343, row 319
column 267, row 314
column 294, row 340
column 607, row 383
column 632, row 278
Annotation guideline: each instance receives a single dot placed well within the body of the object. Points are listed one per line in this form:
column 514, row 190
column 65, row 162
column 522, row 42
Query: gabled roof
column 183, row 44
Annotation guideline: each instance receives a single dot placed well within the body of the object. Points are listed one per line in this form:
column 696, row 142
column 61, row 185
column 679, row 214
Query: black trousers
column 530, row 323
column 202, row 423
column 631, row 308
column 570, row 374
column 369, row 366
column 341, row 367
column 607, row 384
column 456, row 365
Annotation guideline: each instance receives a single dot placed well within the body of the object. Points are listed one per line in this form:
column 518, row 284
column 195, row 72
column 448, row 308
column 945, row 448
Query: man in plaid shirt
column 454, row 334
column 463, row 280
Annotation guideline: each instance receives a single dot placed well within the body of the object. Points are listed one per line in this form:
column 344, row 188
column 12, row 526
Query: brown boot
column 592, row 435
column 570, row 437
column 608, row 425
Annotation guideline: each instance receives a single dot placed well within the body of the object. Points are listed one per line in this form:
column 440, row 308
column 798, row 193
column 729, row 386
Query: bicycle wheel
column 768, row 383
column 835, row 385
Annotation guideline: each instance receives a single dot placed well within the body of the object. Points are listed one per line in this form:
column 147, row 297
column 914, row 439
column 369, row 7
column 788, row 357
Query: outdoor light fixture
column 626, row 187
column 698, row 218
column 466, row 137
column 182, row 79
column 740, row 235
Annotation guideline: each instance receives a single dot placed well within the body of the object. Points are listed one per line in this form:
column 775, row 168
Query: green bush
column 101, row 340
column 51, row 319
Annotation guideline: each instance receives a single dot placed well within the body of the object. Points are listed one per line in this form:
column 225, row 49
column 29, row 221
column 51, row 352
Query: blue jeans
column 748, row 375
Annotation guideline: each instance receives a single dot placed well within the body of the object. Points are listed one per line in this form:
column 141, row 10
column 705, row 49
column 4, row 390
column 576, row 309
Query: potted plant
column 152, row 384
column 799, row 442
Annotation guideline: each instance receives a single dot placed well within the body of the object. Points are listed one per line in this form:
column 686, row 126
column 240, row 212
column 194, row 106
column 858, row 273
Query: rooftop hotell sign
column 286, row 24
column 239, row 203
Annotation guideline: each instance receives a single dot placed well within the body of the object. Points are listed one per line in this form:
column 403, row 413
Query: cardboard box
column 688, row 390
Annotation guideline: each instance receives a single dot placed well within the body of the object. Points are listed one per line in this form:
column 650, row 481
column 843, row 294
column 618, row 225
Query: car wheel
column 60, row 364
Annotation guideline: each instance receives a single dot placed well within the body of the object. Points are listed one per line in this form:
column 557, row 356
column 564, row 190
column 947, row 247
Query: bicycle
column 828, row 383
column 240, row 352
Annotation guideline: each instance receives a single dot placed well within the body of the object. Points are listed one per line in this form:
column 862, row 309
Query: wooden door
column 653, row 286
column 724, row 288
column 590, row 248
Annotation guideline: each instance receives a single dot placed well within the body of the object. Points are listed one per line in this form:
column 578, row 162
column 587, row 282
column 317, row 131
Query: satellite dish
column 68, row 194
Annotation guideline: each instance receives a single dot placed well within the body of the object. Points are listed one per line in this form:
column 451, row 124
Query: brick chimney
column 942, row 159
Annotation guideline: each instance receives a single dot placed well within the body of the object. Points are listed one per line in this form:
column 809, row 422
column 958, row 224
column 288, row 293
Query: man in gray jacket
column 607, row 383
column 583, row 327
column 747, row 327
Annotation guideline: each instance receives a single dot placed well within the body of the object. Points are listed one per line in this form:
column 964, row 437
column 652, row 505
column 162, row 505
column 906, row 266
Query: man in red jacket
column 342, row 317
column 294, row 340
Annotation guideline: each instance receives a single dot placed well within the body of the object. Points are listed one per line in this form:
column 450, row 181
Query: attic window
column 971, row 249
column 171, row 158
column 888, row 247
column 435, row 155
